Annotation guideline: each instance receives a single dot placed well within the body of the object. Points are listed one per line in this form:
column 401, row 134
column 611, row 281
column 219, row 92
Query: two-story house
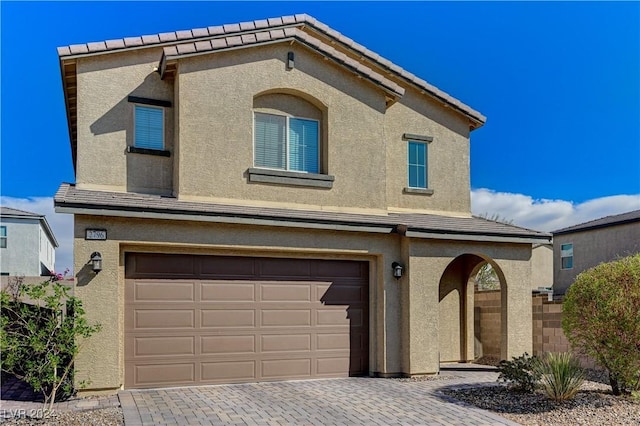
column 585, row 245
column 272, row 200
column 27, row 244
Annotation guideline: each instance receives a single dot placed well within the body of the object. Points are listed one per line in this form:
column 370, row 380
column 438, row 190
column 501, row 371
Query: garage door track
column 349, row 401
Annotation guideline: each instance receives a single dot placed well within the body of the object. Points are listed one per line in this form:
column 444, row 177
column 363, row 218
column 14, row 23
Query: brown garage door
column 215, row 319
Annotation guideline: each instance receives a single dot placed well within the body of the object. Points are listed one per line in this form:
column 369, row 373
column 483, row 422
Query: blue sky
column 558, row 81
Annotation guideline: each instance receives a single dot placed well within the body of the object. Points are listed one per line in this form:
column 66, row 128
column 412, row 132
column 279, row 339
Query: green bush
column 520, row 373
column 601, row 318
column 39, row 340
column 560, row 375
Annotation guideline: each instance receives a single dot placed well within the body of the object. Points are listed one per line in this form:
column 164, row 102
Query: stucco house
column 271, row 200
column 27, row 244
column 583, row 246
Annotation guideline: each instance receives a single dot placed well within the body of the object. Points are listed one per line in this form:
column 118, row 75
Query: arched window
column 287, row 133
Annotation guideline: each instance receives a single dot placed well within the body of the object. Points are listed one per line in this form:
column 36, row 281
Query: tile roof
column 8, row 211
column 104, row 202
column 14, row 213
column 223, row 43
column 234, row 32
column 619, row 219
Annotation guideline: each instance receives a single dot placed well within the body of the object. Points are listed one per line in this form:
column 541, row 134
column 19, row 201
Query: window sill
column 146, row 151
column 282, row 177
column 418, row 191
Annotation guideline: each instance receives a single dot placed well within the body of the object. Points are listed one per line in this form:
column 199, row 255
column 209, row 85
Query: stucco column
column 99, row 360
column 517, row 334
column 420, row 317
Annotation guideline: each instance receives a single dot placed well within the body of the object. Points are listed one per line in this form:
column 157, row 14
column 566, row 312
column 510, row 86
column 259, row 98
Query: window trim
column 3, row 237
column 287, row 117
column 409, row 188
column 426, row 140
column 141, row 150
column 566, row 257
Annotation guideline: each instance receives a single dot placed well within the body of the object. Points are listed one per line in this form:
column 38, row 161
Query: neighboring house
column 583, row 246
column 252, row 189
column 27, row 244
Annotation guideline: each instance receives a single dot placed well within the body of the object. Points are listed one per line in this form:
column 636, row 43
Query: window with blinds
column 149, row 127
column 286, row 143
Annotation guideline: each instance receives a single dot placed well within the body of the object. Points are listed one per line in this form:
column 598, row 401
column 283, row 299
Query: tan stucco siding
column 216, row 127
column 426, row 326
column 541, row 266
column 102, row 359
column 447, row 155
column 105, row 123
column 592, row 247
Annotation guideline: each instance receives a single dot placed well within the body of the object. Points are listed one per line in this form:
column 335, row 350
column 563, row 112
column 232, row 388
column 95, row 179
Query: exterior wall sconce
column 397, row 270
column 290, row 61
column 96, row 262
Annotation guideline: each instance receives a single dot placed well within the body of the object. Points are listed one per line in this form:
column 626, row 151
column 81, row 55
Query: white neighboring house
column 27, row 244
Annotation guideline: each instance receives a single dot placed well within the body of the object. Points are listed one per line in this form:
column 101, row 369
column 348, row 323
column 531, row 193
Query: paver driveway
column 350, row 401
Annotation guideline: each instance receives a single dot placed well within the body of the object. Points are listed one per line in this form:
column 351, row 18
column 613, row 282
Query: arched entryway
column 457, row 337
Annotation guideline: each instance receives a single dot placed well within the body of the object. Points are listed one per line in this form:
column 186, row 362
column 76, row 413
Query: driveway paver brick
column 349, row 401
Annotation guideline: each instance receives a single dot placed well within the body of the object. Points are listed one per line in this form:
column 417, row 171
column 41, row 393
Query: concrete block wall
column 487, row 323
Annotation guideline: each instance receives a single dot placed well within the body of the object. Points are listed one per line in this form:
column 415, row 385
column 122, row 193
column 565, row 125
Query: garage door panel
column 338, row 366
column 339, row 269
column 164, row 318
column 285, row 343
column 162, row 374
column 333, row 341
column 285, row 292
column 223, row 372
column 164, row 346
column 226, row 291
column 286, row 368
column 213, row 345
column 274, row 319
column 226, row 266
column 228, row 318
column 154, row 265
column 152, row 291
column 284, row 268
column 285, row 318
column 340, row 294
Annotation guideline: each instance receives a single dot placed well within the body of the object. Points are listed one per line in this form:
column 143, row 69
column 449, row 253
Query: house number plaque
column 95, row 234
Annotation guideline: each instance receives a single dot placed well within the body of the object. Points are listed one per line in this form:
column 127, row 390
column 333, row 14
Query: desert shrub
column 39, row 340
column 560, row 375
column 519, row 373
column 601, row 318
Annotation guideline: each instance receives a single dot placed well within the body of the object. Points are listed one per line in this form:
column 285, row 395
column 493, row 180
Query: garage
column 200, row 319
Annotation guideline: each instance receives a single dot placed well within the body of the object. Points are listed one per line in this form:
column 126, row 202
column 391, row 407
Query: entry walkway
column 349, row 401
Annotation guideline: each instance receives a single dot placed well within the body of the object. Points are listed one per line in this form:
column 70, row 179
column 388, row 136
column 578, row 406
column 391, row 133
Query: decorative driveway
column 349, row 401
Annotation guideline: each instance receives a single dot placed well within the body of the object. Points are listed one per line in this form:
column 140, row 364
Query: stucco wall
column 404, row 314
column 209, row 132
column 102, row 360
column 591, row 248
column 105, row 123
column 426, row 326
column 22, row 254
column 447, row 155
column 541, row 266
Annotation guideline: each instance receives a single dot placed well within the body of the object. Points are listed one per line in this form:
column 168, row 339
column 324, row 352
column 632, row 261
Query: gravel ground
column 105, row 417
column 594, row 405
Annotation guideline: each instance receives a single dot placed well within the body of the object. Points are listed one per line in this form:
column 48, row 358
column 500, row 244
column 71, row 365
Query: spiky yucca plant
column 560, row 375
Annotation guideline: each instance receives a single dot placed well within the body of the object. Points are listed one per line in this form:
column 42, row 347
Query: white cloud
column 61, row 225
column 548, row 215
